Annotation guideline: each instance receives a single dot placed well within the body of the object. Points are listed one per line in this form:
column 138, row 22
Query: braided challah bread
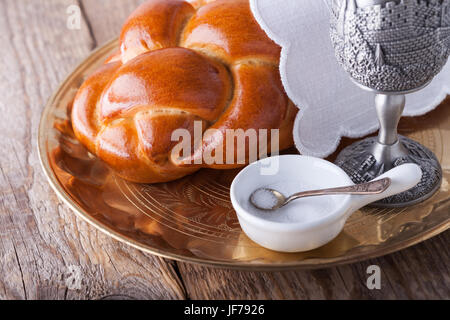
column 182, row 62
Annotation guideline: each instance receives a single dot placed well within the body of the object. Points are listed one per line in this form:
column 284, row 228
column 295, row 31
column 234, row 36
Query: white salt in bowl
column 308, row 223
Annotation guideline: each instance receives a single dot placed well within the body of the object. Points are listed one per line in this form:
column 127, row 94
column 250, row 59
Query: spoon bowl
column 267, row 199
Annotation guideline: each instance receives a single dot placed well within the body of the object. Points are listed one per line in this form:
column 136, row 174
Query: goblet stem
column 389, row 110
column 388, row 148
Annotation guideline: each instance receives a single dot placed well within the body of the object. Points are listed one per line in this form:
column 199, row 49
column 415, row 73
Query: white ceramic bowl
column 306, row 235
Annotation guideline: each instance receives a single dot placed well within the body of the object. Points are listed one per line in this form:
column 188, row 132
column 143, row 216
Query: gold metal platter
column 192, row 219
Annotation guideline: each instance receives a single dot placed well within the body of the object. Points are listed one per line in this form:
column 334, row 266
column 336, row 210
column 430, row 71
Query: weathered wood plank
column 420, row 272
column 42, row 244
column 106, row 17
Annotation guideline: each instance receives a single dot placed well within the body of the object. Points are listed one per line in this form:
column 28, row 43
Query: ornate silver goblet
column 391, row 48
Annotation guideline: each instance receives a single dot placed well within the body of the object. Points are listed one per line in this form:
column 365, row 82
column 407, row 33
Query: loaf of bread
column 182, row 63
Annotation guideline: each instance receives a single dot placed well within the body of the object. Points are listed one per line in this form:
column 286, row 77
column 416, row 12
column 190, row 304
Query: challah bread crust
column 154, row 25
column 84, row 112
column 190, row 83
column 228, row 31
column 179, row 64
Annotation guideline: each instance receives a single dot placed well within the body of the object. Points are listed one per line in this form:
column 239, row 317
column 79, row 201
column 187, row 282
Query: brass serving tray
column 192, row 219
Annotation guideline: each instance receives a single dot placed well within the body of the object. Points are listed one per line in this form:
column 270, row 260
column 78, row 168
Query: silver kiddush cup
column 391, row 48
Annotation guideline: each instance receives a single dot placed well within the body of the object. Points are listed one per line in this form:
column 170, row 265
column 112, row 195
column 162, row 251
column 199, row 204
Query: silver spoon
column 269, row 199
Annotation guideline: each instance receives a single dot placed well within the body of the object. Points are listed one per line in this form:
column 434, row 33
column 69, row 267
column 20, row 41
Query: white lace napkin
column 331, row 106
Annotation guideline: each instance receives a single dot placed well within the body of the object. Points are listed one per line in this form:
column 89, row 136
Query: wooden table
column 40, row 238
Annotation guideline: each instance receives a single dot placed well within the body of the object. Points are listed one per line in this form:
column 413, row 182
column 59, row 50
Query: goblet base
column 362, row 162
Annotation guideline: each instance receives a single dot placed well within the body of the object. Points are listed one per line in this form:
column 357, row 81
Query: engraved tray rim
column 311, row 263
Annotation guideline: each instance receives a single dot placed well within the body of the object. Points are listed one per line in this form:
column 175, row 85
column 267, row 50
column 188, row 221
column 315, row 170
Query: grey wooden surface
column 41, row 240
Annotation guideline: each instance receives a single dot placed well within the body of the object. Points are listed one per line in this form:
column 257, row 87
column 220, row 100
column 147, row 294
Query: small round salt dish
column 306, row 223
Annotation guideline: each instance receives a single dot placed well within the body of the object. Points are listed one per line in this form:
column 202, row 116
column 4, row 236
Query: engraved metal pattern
column 192, row 219
column 360, row 164
column 392, row 46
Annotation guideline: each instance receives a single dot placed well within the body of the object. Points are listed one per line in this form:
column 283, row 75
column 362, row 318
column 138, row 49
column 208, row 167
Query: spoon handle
column 373, row 187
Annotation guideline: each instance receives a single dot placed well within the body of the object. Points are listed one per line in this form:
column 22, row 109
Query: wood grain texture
column 113, row 14
column 40, row 238
column 43, row 244
column 420, row 272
